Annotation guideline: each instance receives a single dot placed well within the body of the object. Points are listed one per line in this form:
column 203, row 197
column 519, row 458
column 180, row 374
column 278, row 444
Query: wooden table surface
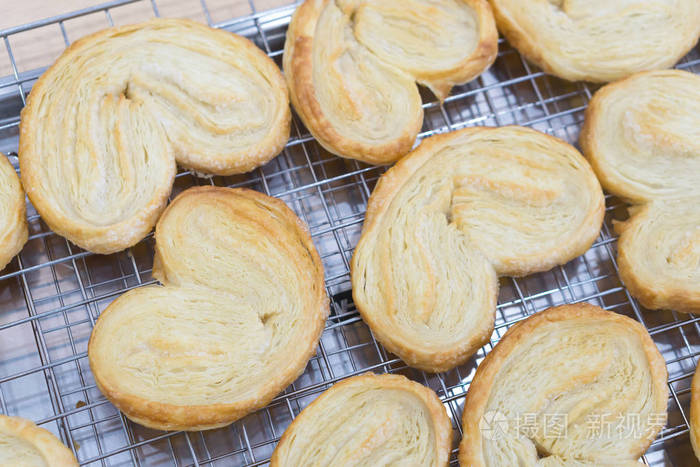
column 40, row 47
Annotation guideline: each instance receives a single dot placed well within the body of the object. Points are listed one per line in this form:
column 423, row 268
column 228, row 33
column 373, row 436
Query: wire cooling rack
column 52, row 293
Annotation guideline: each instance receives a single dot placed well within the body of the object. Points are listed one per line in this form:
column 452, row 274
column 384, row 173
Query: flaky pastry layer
column 352, row 65
column 13, row 220
column 599, row 40
column 104, row 126
column 24, row 444
column 574, row 385
column 642, row 137
column 239, row 314
column 453, row 215
column 366, row 421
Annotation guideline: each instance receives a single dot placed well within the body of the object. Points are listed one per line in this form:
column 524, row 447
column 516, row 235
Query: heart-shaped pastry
column 369, row 420
column 104, row 125
column 352, row 67
column 453, row 215
column 642, row 136
column 239, row 314
column 23, row 444
column 599, row 40
column 573, row 385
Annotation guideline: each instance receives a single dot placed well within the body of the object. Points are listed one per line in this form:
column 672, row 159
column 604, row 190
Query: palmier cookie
column 599, row 40
column 369, row 420
column 352, row 65
column 453, row 215
column 642, row 137
column 13, row 221
column 104, row 125
column 572, row 385
column 238, row 316
column 24, row 444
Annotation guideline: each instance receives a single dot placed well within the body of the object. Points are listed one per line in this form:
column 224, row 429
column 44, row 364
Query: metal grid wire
column 52, row 293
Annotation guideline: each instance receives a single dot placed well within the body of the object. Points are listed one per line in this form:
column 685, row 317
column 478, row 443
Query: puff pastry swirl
column 23, row 444
column 239, row 314
column 369, row 420
column 642, row 136
column 574, row 385
column 599, row 40
column 103, row 126
column 351, row 66
column 13, row 221
column 453, row 215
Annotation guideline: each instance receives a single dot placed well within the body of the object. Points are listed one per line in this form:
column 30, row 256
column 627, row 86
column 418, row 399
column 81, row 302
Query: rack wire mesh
column 52, row 293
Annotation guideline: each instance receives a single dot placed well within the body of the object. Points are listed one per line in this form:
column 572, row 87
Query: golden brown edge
column 298, row 70
column 588, row 139
column 579, row 244
column 651, row 298
column 54, row 452
column 166, row 416
column 531, row 50
column 129, row 232
column 276, row 140
column 470, row 448
column 438, row 414
column 649, row 293
column 380, row 199
column 13, row 242
column 695, row 413
column 298, row 66
column 520, row 40
column 483, row 56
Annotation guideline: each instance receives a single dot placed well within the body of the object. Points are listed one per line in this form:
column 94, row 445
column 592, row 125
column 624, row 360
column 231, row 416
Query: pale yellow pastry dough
column 103, row 127
column 13, row 221
column 239, row 314
column 23, row 444
column 453, row 215
column 695, row 413
column 599, row 40
column 571, row 386
column 642, row 136
column 351, row 66
column 369, row 421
